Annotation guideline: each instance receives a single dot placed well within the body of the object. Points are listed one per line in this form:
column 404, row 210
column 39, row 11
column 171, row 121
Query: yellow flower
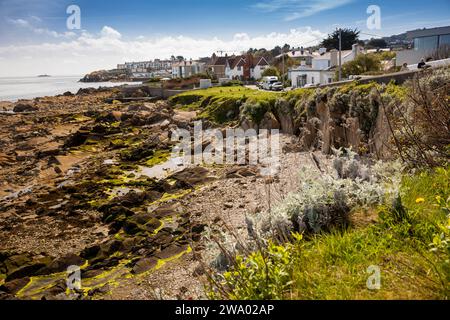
column 420, row 200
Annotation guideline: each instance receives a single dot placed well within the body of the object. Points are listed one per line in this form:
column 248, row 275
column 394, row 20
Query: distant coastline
column 15, row 88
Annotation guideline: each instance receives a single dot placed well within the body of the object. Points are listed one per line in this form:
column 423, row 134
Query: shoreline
column 13, row 90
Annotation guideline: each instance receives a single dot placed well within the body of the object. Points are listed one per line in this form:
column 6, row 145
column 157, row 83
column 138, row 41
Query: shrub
column 324, row 200
column 233, row 83
column 255, row 110
column 263, row 275
column 362, row 64
column 271, row 72
column 221, row 110
column 420, row 125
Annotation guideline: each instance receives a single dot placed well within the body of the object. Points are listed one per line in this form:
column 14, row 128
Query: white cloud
column 88, row 52
column 20, row 22
column 296, row 9
column 108, row 32
column 27, row 24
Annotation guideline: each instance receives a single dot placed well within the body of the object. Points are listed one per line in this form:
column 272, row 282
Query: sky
column 36, row 39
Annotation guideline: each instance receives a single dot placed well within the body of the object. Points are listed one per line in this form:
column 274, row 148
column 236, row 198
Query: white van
column 267, row 82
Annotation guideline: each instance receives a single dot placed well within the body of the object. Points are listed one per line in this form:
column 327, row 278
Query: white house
column 185, row 69
column 234, row 68
column 298, row 55
column 258, row 68
column 245, row 67
column 323, row 67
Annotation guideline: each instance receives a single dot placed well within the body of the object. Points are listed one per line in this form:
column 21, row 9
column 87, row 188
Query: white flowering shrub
column 325, row 199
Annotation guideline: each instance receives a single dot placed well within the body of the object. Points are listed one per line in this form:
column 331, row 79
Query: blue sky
column 35, row 30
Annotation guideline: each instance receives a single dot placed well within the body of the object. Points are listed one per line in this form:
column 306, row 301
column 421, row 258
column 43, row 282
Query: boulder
column 24, row 107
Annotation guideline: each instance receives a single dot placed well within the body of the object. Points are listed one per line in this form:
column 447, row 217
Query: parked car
column 309, row 85
column 277, row 86
column 267, row 82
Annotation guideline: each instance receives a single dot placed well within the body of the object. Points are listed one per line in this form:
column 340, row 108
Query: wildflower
column 420, row 200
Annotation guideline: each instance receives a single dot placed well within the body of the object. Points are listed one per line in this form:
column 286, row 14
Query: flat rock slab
column 144, row 265
column 171, row 251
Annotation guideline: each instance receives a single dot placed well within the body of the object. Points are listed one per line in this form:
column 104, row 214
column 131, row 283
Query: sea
column 16, row 88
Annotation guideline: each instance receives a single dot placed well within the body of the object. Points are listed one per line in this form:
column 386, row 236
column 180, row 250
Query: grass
column 335, row 265
column 225, row 105
column 222, row 104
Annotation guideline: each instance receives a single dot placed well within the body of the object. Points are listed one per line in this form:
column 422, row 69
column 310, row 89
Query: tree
column 271, row 72
column 349, row 38
column 288, row 64
column 363, row 63
column 275, row 51
column 377, row 44
column 286, row 48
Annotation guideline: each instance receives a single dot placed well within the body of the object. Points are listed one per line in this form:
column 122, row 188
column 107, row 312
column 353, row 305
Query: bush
column 264, row 275
column 271, row 72
column 233, row 83
column 362, row 64
column 221, row 110
column 255, row 110
column 420, row 125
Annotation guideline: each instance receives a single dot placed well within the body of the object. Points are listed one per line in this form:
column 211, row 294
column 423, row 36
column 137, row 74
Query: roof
column 428, row 32
column 262, row 62
column 236, row 62
column 239, row 61
column 220, row 61
column 296, row 54
column 327, row 55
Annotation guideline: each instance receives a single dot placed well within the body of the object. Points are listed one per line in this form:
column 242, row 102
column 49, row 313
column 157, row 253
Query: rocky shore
column 106, row 76
column 84, row 182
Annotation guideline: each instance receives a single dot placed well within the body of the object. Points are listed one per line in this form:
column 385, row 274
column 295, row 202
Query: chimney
column 333, row 58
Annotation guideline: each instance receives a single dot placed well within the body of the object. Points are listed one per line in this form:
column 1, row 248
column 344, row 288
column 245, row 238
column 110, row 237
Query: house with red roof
column 243, row 67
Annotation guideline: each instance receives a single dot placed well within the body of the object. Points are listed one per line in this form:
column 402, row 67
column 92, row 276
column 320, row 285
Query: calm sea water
column 13, row 89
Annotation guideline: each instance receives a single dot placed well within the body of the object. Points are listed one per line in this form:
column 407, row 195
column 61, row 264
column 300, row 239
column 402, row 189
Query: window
column 312, row 80
column 330, row 80
column 301, row 81
column 329, row 63
column 239, row 68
